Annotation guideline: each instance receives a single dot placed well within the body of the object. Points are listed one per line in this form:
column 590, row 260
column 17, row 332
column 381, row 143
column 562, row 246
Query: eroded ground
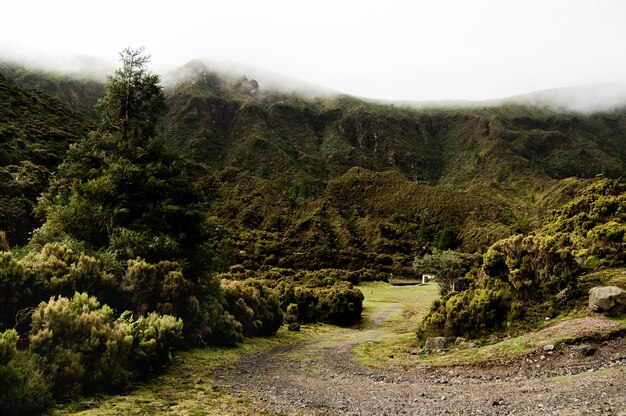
column 323, row 377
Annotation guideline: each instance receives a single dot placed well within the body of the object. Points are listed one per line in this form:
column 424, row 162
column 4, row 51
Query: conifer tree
column 133, row 100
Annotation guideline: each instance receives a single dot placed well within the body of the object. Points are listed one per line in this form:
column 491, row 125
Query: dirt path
column 321, row 377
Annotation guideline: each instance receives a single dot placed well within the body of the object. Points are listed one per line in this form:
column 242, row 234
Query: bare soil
column 321, row 377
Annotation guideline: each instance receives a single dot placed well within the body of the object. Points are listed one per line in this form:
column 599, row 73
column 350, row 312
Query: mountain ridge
column 520, row 160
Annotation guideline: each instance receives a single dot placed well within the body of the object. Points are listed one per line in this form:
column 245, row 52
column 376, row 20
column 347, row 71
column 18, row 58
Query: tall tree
column 122, row 195
column 121, row 190
column 134, row 99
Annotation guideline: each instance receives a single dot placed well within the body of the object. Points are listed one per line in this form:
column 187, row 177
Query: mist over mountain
column 233, row 71
column 521, row 157
column 586, row 99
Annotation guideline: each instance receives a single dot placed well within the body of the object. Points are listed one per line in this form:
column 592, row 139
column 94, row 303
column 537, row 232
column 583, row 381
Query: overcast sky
column 415, row 50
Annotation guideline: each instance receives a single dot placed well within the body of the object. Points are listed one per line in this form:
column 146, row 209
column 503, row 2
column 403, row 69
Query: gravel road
column 320, row 377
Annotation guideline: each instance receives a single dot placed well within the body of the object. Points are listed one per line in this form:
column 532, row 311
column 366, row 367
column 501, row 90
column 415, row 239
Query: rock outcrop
column 438, row 344
column 607, row 299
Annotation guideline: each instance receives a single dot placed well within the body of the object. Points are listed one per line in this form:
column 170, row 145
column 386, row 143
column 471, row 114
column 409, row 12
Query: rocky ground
column 321, row 377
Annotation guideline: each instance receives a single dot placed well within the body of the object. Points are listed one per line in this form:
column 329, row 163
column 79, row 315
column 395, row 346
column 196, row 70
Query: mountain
column 35, row 133
column 328, row 180
column 80, row 93
column 289, row 139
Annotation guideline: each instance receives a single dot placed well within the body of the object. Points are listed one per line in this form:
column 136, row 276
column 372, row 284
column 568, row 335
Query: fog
column 586, row 99
column 581, row 99
column 427, row 52
column 233, row 71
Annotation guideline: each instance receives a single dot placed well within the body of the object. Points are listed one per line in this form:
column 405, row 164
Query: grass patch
column 405, row 307
column 413, row 302
column 187, row 387
column 565, row 331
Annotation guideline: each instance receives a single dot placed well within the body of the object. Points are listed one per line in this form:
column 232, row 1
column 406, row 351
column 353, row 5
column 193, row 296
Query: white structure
column 427, row 277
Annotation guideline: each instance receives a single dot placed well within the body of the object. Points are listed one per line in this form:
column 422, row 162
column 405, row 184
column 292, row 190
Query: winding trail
column 321, row 377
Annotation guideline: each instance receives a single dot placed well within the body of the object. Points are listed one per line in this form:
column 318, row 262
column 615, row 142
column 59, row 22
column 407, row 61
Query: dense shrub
column 83, row 348
column 23, row 388
column 156, row 287
column 526, row 277
column 227, row 330
column 12, row 279
column 155, row 336
column 162, row 287
column 57, row 269
column 254, row 305
column 339, row 304
column 325, row 295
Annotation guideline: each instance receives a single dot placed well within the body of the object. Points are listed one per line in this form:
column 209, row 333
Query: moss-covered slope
column 35, row 133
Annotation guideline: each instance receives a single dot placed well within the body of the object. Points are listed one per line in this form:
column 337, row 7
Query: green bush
column 12, row 296
column 155, row 337
column 84, row 349
column 339, row 304
column 162, row 287
column 254, row 305
column 23, row 388
column 525, row 277
column 227, row 330
column 57, row 269
column 81, row 347
column 156, row 287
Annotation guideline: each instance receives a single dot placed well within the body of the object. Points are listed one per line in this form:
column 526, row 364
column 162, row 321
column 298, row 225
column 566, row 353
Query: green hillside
column 78, row 93
column 466, row 175
column 35, row 133
column 310, row 196
column 294, row 140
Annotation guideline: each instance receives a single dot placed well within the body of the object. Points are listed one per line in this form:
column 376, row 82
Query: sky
column 385, row 49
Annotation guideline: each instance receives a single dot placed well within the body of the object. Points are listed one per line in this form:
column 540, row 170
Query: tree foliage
column 447, row 266
column 133, row 99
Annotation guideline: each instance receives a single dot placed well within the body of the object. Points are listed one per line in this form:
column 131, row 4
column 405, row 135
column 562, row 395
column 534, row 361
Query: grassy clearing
column 413, row 302
column 396, row 336
column 186, row 387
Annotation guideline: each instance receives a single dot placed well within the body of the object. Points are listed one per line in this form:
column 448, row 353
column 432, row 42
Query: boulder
column 459, row 341
column 438, row 343
column 609, row 299
column 585, row 350
column 294, row 326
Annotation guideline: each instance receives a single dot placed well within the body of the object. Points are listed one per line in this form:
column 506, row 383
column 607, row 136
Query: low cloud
column 233, row 71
